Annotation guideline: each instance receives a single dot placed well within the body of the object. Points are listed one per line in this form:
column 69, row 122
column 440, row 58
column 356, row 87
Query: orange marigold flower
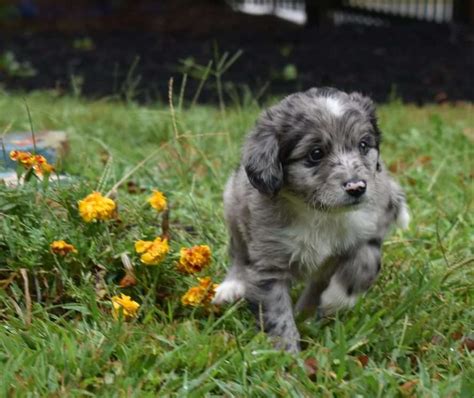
column 95, row 207
column 125, row 304
column 27, row 160
column 194, row 259
column 152, row 252
column 200, row 295
column 62, row 248
column 41, row 165
column 46, row 168
column 158, row 201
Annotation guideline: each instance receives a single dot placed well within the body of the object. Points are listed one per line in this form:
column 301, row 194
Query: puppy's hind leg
column 309, row 300
column 356, row 272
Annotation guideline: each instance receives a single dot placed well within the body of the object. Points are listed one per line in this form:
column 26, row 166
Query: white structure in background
column 430, row 10
column 294, row 10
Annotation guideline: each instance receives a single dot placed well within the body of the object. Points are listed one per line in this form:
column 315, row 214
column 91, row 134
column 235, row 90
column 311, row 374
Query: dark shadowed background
column 419, row 50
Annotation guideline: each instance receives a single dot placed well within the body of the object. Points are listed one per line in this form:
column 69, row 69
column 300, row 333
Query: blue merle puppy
column 311, row 200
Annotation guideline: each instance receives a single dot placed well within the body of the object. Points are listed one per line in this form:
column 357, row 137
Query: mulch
column 418, row 62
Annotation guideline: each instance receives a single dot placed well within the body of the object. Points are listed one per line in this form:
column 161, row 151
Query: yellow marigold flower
column 194, row 259
column 141, row 246
column 96, row 207
column 125, row 304
column 200, row 295
column 62, row 248
column 152, row 252
column 158, row 201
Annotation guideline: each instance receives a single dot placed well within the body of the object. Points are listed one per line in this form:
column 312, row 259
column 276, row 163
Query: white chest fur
column 314, row 235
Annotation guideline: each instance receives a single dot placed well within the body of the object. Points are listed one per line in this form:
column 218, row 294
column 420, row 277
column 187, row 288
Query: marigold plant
column 152, row 252
column 200, row 295
column 125, row 304
column 62, row 248
column 194, row 259
column 95, row 207
column 158, row 201
column 37, row 162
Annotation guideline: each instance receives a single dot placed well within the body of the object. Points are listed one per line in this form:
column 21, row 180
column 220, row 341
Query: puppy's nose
column 355, row 187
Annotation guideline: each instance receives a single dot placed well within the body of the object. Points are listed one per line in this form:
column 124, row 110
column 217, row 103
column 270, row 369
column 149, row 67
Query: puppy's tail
column 403, row 216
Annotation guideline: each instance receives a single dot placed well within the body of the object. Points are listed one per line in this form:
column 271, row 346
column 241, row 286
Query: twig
column 440, row 243
column 202, row 135
column 4, row 283
column 181, row 92
column 165, row 224
column 24, row 274
column 3, row 144
column 17, row 307
column 201, row 83
column 173, row 115
column 435, row 175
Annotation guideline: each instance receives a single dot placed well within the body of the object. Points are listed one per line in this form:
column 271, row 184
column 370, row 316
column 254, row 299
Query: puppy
column 311, row 200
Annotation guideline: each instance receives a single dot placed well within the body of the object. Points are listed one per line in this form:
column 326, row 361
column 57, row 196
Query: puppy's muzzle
column 355, row 187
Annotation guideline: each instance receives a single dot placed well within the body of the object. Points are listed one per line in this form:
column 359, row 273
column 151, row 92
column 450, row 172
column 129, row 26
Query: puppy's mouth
column 349, row 204
column 354, row 202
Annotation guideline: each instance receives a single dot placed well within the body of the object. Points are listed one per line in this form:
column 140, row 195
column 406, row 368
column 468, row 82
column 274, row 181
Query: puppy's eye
column 315, row 155
column 364, row 147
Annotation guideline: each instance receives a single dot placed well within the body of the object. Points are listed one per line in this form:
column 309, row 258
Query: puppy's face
column 320, row 146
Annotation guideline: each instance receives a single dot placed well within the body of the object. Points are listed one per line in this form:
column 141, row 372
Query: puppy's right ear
column 261, row 159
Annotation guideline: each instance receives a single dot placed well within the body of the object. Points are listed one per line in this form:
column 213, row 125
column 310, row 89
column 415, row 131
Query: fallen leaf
column 407, row 388
column 468, row 343
column 128, row 280
column 456, row 335
column 134, row 188
column 424, row 159
column 411, row 181
column 311, row 365
column 363, row 360
column 398, row 166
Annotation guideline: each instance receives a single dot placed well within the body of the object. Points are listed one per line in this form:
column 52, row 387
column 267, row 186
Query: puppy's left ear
column 261, row 158
column 369, row 108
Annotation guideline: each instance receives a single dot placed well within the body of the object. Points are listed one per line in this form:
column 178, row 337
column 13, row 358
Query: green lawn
column 58, row 337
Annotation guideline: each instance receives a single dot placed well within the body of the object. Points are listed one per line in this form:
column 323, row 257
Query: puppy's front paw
column 229, row 292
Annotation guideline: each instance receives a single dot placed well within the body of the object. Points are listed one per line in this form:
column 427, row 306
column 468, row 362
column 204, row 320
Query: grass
column 410, row 326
